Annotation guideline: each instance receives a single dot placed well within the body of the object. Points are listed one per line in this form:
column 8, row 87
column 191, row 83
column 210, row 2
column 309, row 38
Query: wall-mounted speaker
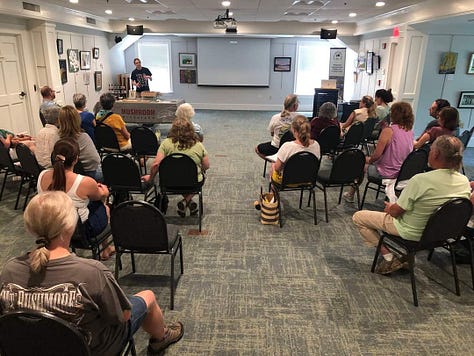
column 328, row 34
column 118, row 39
column 134, row 29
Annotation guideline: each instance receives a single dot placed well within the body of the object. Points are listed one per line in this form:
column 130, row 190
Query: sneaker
column 193, row 208
column 174, row 332
column 182, row 208
column 387, row 267
column 348, row 197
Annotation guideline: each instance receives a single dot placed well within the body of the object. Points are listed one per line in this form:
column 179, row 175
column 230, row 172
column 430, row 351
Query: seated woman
column 327, row 116
column 449, row 121
column 279, row 124
column 393, row 146
column 87, row 195
column 87, row 118
column 186, row 111
column 366, row 110
column 382, row 99
column 182, row 139
column 301, row 130
column 70, row 127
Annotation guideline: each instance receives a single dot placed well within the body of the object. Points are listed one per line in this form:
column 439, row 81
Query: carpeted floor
column 250, row 289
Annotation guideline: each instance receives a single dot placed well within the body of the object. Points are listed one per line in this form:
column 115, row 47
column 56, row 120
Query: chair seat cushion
column 408, row 244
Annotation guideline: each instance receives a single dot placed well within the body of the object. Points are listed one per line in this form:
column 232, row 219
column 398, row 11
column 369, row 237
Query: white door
column 13, row 112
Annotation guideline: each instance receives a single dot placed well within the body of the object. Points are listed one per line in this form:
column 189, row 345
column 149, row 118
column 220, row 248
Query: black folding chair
column 149, row 234
column 144, row 144
column 446, row 223
column 96, row 244
column 179, row 175
column 10, row 169
column 353, row 137
column 329, row 139
column 30, row 168
column 369, row 125
column 300, row 173
column 287, row 137
column 105, row 139
column 347, row 169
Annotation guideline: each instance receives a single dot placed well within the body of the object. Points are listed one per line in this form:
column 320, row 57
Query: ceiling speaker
column 134, row 29
column 118, row 39
column 328, row 34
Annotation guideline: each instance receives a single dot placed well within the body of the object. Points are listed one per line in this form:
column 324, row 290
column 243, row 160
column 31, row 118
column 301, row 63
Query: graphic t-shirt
column 138, row 75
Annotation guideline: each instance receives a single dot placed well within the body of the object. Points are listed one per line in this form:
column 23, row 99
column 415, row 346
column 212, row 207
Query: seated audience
column 87, row 195
column 279, row 124
column 70, row 127
column 382, row 99
column 423, row 194
column 301, row 130
column 393, row 146
column 10, row 140
column 87, row 118
column 78, row 290
column 182, row 139
column 448, row 123
column 186, row 111
column 327, row 116
column 115, row 121
column 47, row 137
column 434, row 111
column 366, row 110
column 48, row 95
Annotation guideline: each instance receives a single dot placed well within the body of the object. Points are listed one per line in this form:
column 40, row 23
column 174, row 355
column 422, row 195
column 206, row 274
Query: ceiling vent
column 31, row 7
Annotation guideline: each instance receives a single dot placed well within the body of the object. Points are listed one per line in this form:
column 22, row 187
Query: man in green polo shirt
column 424, row 193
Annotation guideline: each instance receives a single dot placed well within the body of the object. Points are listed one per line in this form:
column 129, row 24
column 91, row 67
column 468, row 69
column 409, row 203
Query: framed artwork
column 361, row 62
column 98, row 81
column 282, row 64
column 86, row 78
column 63, row 70
column 466, row 100
column 187, row 60
column 448, row 63
column 73, row 60
column 95, row 53
column 187, row 76
column 85, row 59
column 59, row 46
column 370, row 63
column 470, row 68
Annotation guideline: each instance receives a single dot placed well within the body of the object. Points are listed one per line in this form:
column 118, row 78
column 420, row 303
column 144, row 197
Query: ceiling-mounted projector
column 225, row 21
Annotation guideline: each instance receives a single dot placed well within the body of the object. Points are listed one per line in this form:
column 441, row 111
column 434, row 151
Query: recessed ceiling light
column 73, row 1
column 131, row 19
column 379, row 4
column 334, row 21
column 144, row 1
column 225, row 3
column 108, row 12
column 352, row 14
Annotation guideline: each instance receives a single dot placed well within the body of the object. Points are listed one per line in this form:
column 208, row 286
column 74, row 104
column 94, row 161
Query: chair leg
column 264, row 168
column 277, row 197
column 411, row 265
column 132, row 255
column 172, row 283
column 363, row 196
column 358, row 196
column 301, row 197
column 377, row 253
column 27, row 195
column 4, row 182
column 471, row 254
column 19, row 191
column 325, row 203
column 118, row 265
column 340, row 194
column 455, row 272
column 313, row 193
column 200, row 211
column 180, row 246
column 430, row 255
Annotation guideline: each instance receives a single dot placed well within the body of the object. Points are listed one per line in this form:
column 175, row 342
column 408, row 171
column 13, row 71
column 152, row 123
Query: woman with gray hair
column 327, row 117
column 87, row 118
column 186, row 111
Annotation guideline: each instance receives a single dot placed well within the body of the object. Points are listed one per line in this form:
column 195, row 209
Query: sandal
column 107, row 253
column 193, row 208
column 181, row 208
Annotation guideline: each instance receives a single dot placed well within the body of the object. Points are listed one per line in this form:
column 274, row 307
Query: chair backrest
column 148, row 233
column 348, row 167
column 347, row 109
column 5, row 159
column 144, row 141
column 287, row 137
column 39, row 333
column 42, row 118
column 121, row 172
column 105, row 137
column 465, row 137
column 329, row 139
column 354, row 136
column 28, row 161
column 416, row 162
column 447, row 222
column 369, row 126
column 301, row 168
column 178, row 170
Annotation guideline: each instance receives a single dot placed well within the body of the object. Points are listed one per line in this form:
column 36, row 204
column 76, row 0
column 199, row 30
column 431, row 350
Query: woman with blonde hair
column 186, row 111
column 301, row 130
column 182, row 139
column 366, row 109
column 70, row 127
column 279, row 124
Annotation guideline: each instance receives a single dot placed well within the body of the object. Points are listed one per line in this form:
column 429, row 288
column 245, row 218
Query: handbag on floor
column 268, row 208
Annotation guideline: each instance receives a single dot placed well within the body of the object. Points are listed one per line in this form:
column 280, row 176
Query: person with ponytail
column 79, row 290
column 87, row 195
column 301, row 129
column 366, row 110
column 279, row 124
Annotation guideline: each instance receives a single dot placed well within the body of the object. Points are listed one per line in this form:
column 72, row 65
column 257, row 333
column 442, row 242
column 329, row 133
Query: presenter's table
column 147, row 111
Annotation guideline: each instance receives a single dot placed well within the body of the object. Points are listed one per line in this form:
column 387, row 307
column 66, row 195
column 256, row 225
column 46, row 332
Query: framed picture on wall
column 282, row 64
column 73, row 60
column 187, row 76
column 448, row 63
column 370, row 62
column 63, row 70
column 95, row 53
column 59, row 46
column 85, row 59
column 466, row 100
column 187, row 60
column 98, row 81
column 470, row 68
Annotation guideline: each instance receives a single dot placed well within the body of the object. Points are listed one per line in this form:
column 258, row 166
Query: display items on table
column 59, row 46
column 187, row 76
column 282, row 64
column 95, row 53
column 187, row 60
column 85, row 59
column 98, row 81
column 470, row 68
column 63, row 70
column 448, row 63
column 466, row 100
column 73, row 60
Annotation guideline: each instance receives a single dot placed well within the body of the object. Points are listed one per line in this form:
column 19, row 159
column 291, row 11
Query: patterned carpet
column 250, row 289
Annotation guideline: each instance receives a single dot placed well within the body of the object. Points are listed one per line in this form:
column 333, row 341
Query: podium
column 322, row 96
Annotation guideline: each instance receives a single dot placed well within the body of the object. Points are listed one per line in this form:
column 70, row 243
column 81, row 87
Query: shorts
column 267, row 149
column 97, row 220
column 138, row 314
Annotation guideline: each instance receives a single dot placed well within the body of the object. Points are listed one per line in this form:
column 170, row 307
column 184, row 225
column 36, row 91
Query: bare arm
column 383, row 141
column 125, row 132
column 93, row 190
column 278, row 165
column 154, row 167
column 393, row 210
column 423, row 139
column 349, row 120
column 205, row 163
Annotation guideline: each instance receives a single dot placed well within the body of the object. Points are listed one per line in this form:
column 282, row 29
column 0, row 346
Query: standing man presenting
column 140, row 76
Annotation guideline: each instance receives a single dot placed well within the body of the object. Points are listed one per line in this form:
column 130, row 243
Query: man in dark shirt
column 140, row 76
column 434, row 110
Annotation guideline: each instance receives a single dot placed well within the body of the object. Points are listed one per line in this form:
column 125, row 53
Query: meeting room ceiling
column 243, row 10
